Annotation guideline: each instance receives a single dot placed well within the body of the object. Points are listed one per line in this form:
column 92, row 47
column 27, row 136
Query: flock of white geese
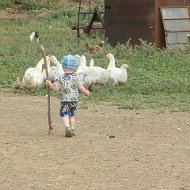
column 34, row 77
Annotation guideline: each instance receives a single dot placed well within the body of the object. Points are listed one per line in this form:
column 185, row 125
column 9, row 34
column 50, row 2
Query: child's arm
column 84, row 90
column 55, row 88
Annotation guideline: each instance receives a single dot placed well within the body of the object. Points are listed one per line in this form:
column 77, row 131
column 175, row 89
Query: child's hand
column 48, row 83
column 84, row 91
column 87, row 93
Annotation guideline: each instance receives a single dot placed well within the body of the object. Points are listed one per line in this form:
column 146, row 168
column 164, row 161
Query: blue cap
column 69, row 62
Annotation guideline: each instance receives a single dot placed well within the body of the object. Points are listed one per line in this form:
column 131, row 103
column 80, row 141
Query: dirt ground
column 150, row 151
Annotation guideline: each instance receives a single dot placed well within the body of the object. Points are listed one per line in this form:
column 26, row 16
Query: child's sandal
column 73, row 132
column 68, row 132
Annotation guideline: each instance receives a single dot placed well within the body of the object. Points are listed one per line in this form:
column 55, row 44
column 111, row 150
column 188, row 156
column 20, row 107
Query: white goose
column 117, row 75
column 82, row 68
column 111, row 60
column 96, row 75
column 55, row 71
column 81, row 64
column 33, row 76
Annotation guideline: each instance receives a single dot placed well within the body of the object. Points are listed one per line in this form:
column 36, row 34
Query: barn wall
column 125, row 19
column 128, row 19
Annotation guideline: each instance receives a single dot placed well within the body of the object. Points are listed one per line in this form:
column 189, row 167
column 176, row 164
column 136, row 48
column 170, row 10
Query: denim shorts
column 68, row 109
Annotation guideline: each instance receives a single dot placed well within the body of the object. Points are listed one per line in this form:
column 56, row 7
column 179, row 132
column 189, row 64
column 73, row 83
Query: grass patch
column 156, row 78
column 5, row 3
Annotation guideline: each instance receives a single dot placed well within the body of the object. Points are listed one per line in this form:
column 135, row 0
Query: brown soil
column 149, row 149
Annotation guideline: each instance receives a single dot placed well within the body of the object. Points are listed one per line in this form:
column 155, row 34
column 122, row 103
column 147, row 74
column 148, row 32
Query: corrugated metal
column 125, row 19
column 176, row 23
column 172, row 13
column 176, row 38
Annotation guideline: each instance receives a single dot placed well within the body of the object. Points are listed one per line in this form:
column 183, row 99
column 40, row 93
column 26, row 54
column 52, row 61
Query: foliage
column 156, row 78
column 5, row 3
column 69, row 15
column 33, row 5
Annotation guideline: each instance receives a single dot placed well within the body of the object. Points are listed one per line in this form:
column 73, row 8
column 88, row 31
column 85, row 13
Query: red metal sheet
column 122, row 21
column 136, row 19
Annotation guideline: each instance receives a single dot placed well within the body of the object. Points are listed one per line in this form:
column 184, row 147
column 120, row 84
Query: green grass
column 156, row 78
column 5, row 3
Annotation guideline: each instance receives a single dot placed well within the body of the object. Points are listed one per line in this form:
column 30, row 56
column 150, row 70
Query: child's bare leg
column 65, row 121
column 72, row 122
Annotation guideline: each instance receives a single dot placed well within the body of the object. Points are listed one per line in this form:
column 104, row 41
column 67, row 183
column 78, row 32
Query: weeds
column 34, row 5
column 5, row 3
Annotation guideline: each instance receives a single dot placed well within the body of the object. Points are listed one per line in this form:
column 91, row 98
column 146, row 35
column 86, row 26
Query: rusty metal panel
column 129, row 19
column 172, row 2
column 136, row 19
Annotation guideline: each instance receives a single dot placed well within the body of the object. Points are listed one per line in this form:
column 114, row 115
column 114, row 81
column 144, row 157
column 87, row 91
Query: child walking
column 69, row 84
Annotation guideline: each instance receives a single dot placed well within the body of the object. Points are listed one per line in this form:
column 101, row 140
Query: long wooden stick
column 48, row 90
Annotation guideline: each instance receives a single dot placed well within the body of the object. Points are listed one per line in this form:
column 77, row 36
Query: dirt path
column 150, row 151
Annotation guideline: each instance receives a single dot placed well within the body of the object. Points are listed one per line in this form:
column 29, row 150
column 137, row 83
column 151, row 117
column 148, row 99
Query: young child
column 69, row 84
